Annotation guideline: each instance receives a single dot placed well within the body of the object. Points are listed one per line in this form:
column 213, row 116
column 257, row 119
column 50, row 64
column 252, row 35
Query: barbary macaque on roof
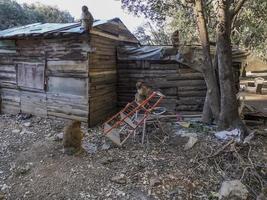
column 87, row 19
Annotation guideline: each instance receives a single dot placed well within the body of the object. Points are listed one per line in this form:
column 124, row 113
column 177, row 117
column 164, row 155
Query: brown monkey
column 72, row 138
column 143, row 92
column 175, row 39
column 86, row 19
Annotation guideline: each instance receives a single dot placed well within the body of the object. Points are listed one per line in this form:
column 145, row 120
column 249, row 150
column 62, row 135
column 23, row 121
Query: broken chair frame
column 127, row 120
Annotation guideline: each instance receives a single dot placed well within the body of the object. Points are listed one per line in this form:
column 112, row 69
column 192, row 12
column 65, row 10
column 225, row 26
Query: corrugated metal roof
column 39, row 29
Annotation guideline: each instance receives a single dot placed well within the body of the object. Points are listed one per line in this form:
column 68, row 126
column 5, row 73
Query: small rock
column 16, row 131
column 175, row 193
column 106, row 161
column 191, row 142
column 27, row 124
column 121, row 179
column 22, row 132
column 26, row 194
column 120, row 193
column 89, row 147
column 234, row 189
column 24, row 116
column 108, row 194
column 4, row 187
column 24, row 169
column 58, row 137
column 138, row 194
column 105, row 146
column 154, row 182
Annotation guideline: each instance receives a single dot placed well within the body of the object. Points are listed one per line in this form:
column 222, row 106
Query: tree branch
column 238, row 6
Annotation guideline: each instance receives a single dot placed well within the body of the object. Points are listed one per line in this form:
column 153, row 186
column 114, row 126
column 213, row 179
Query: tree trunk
column 229, row 117
column 207, row 116
column 212, row 103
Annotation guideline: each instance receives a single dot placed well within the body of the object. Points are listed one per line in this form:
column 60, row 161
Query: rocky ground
column 33, row 166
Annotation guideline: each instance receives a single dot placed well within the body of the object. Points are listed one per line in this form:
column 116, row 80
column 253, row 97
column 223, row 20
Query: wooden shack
column 157, row 66
column 166, row 69
column 59, row 70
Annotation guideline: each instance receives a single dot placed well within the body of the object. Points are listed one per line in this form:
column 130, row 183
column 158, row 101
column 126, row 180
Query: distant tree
column 13, row 14
column 159, row 34
column 142, row 36
column 250, row 27
column 44, row 13
column 148, row 34
column 186, row 24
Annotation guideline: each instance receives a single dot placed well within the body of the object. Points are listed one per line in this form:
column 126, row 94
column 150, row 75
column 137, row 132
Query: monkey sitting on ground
column 86, row 19
column 143, row 92
column 72, row 138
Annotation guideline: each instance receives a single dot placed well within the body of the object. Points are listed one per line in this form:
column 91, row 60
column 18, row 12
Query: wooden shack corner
column 58, row 70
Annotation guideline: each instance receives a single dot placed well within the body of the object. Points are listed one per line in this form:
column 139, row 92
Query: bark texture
column 229, row 117
column 211, row 108
column 207, row 116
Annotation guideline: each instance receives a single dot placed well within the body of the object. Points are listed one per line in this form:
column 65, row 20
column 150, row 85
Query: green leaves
column 248, row 31
column 151, row 35
column 13, row 14
column 251, row 27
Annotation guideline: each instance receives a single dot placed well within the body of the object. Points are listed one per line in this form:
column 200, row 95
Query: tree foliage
column 249, row 25
column 148, row 34
column 141, row 34
column 13, row 14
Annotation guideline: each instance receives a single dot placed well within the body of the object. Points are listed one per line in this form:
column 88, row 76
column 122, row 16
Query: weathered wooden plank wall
column 67, row 72
column 59, row 86
column 7, row 72
column 9, row 96
column 184, row 87
column 10, row 101
column 103, row 79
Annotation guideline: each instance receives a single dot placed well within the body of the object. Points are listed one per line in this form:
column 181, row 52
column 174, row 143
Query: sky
column 100, row 9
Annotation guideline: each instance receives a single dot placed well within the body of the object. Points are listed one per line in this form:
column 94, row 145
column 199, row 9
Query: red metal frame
column 131, row 109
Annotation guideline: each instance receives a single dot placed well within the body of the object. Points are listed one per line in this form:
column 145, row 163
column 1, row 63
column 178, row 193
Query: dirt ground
column 33, row 166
